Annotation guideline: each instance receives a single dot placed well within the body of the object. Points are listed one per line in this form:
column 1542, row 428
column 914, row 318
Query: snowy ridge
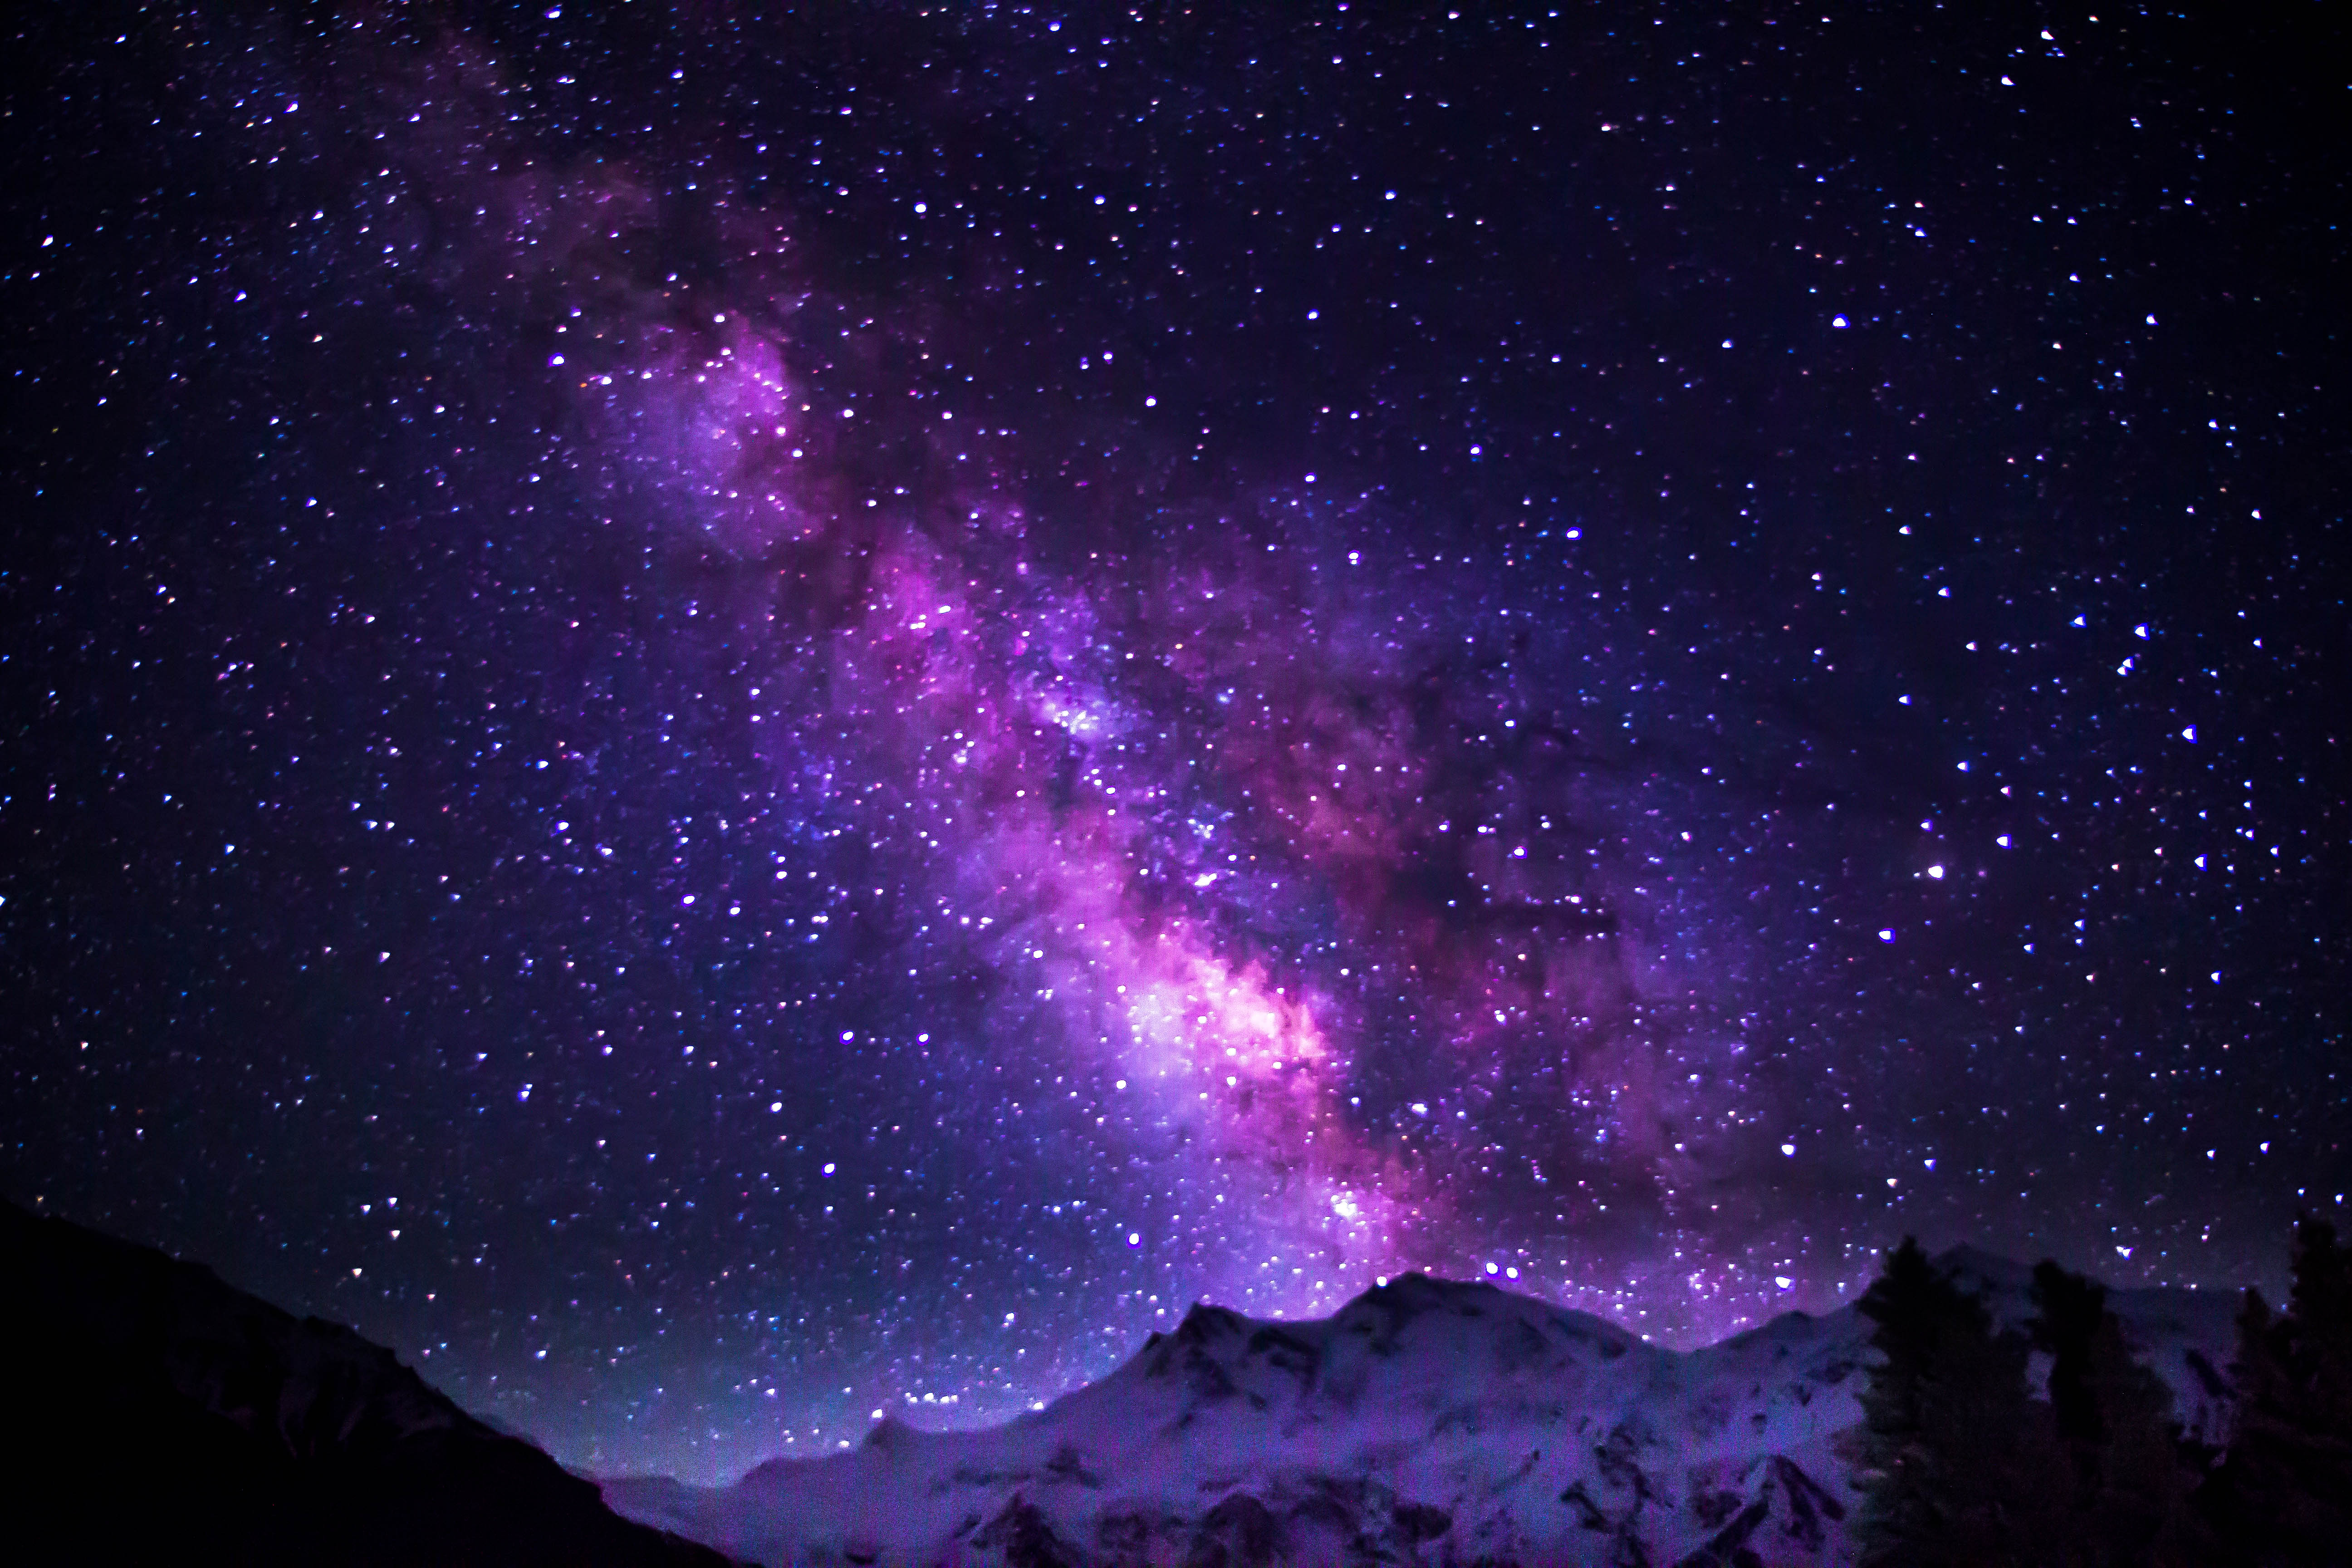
column 1426, row 1422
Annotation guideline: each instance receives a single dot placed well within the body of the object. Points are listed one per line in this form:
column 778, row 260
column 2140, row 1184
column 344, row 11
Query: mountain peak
column 1427, row 1420
column 1204, row 1321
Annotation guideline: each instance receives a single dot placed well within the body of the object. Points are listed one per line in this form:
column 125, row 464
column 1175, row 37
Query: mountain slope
column 164, row 1416
column 1426, row 1422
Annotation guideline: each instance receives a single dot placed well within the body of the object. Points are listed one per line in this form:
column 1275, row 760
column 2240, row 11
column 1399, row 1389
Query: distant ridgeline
column 163, row 1417
column 1965, row 1410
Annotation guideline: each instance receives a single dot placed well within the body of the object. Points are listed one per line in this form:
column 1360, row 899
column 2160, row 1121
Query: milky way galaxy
column 730, row 722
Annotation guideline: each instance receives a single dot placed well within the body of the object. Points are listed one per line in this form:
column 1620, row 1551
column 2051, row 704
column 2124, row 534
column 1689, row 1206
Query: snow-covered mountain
column 1426, row 1422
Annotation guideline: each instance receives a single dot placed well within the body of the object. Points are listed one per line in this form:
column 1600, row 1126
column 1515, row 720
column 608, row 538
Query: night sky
column 724, row 721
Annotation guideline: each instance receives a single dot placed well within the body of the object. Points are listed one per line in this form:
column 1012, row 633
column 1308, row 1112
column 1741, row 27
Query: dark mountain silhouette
column 163, row 1416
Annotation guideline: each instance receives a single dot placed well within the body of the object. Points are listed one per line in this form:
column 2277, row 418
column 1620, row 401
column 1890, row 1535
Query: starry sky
column 726, row 720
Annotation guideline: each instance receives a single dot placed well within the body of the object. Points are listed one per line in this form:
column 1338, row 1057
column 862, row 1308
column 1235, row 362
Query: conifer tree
column 2320, row 1308
column 2070, row 1310
column 1954, row 1458
column 2128, row 1498
column 2283, row 1493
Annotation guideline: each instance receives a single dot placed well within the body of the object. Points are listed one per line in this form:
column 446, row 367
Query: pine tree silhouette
column 2070, row 1311
column 2126, row 1497
column 1956, row 1461
column 2282, row 1492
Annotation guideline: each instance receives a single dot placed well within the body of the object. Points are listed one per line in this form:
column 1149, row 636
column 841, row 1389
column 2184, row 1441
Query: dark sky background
column 727, row 719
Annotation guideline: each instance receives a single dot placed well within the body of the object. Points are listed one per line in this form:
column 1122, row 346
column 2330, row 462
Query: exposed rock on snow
column 1426, row 1422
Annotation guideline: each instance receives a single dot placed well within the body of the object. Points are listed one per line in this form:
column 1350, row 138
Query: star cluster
column 728, row 721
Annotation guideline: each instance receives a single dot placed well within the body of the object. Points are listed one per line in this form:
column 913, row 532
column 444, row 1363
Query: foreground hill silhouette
column 1427, row 1422
column 162, row 1416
